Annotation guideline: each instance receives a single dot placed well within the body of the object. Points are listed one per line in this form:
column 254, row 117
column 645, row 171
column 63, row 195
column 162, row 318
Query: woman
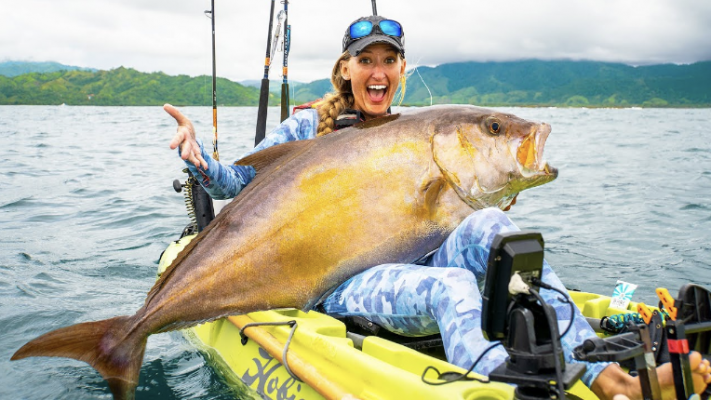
column 410, row 299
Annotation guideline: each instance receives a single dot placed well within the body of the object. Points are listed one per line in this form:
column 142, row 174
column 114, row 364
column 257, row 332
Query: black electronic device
column 514, row 312
column 511, row 253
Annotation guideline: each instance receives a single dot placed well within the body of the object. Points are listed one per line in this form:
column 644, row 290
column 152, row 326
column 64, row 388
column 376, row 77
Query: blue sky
column 174, row 35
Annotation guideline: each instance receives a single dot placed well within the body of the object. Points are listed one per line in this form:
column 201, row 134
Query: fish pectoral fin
column 432, row 190
column 275, row 155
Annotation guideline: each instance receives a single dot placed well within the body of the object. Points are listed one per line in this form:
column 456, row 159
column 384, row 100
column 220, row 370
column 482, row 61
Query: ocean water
column 87, row 207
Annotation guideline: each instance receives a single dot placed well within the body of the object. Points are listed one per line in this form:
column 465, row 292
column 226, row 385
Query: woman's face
column 374, row 75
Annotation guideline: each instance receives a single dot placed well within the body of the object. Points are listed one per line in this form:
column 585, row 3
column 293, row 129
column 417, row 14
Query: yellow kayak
column 332, row 364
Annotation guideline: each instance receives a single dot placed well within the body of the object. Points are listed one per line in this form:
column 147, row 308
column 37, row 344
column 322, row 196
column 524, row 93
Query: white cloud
column 174, row 37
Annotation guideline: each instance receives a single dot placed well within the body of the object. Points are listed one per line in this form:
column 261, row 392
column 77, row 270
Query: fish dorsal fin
column 264, row 159
column 269, row 160
column 376, row 122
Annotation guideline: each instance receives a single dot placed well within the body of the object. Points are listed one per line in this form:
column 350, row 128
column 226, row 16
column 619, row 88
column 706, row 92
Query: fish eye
column 494, row 126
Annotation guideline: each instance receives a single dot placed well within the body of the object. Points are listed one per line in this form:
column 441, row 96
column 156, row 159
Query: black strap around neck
column 350, row 117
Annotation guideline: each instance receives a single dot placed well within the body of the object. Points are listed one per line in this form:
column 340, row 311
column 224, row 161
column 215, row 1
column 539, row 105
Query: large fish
column 318, row 212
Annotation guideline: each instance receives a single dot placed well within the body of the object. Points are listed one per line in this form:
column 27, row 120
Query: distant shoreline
column 532, row 83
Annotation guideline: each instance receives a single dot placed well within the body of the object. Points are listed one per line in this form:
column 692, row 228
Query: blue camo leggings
column 443, row 297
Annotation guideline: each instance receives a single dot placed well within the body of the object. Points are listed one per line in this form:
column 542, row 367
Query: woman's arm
column 226, row 181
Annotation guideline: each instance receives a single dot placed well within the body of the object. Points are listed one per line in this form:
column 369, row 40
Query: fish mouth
column 529, row 154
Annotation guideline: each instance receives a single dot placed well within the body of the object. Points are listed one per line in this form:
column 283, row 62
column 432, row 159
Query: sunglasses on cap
column 373, row 29
column 362, row 29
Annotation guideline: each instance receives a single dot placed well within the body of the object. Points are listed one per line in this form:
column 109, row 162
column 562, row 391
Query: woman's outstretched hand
column 185, row 138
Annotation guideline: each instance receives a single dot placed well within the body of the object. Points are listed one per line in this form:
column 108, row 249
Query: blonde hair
column 342, row 97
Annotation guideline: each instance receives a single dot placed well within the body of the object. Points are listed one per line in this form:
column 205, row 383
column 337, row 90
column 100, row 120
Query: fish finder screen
column 511, row 253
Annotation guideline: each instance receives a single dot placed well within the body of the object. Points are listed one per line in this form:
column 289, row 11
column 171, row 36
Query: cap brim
column 359, row 45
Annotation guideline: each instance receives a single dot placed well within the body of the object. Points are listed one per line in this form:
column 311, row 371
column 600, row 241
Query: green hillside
column 518, row 83
column 274, row 84
column 122, row 87
column 563, row 83
column 552, row 83
column 312, row 91
column 15, row 68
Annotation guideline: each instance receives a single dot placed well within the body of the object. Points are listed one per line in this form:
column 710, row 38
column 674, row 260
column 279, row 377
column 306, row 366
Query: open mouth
column 529, row 154
column 377, row 93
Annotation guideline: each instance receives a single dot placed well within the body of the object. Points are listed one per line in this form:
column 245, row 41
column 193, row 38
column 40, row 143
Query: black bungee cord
column 449, row 377
column 553, row 326
column 564, row 299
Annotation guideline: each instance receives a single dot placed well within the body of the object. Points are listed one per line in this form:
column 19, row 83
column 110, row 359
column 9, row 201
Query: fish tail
column 106, row 345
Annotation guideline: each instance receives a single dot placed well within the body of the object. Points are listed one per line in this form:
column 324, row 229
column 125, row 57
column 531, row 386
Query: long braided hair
column 342, row 97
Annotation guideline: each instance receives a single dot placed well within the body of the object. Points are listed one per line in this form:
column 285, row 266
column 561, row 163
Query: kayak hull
column 327, row 362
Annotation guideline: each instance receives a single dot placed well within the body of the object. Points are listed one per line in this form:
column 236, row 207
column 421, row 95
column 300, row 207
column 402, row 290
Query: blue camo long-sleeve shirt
column 226, row 181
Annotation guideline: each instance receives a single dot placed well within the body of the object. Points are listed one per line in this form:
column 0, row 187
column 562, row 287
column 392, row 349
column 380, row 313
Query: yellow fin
column 376, row 122
column 432, row 193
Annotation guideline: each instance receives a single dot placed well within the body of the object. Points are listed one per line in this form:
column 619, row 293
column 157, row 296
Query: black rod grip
column 262, row 113
column 284, row 101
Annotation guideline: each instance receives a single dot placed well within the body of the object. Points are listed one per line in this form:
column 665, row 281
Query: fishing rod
column 200, row 206
column 285, row 70
column 277, row 33
column 215, row 153
column 264, row 90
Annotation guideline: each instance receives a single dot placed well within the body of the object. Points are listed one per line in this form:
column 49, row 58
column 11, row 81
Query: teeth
column 377, row 87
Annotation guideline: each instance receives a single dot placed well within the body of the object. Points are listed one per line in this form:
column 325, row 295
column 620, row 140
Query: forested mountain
column 517, row 83
column 15, row 68
column 552, row 83
column 121, row 86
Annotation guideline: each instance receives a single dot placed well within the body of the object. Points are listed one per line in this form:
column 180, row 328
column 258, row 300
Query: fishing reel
column 197, row 203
